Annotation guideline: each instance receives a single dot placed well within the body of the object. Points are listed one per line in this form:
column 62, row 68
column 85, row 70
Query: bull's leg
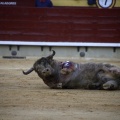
column 94, row 86
column 65, row 71
column 101, row 78
column 115, row 71
column 59, row 86
column 107, row 82
column 110, row 85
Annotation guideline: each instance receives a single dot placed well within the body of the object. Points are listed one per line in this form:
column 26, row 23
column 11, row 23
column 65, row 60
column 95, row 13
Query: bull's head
column 43, row 66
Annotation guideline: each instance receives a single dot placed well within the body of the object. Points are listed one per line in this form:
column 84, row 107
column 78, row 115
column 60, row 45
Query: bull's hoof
column 110, row 85
column 115, row 71
column 107, row 86
column 59, row 85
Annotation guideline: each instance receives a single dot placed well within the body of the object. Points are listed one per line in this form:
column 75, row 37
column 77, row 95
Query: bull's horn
column 29, row 71
column 53, row 53
column 51, row 56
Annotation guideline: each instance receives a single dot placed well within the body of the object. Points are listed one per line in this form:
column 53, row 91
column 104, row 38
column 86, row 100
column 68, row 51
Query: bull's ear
column 51, row 56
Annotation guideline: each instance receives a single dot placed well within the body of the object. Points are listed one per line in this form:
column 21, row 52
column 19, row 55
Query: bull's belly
column 80, row 82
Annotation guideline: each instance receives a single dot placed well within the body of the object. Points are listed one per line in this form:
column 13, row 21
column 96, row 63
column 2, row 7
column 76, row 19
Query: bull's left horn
column 29, row 71
column 53, row 53
column 51, row 56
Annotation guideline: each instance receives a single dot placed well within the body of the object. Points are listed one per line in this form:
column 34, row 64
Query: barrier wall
column 73, row 32
column 60, row 24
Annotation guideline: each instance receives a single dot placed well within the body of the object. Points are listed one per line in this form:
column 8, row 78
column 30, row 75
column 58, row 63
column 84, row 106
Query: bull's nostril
column 47, row 69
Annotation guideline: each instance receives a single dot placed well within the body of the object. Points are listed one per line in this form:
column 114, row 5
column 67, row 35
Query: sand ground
column 28, row 98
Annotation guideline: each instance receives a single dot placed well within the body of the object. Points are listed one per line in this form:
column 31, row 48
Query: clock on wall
column 105, row 3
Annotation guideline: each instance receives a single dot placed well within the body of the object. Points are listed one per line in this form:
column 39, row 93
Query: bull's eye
column 39, row 68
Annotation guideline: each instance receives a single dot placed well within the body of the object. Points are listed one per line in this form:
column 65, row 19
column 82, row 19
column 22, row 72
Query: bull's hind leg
column 115, row 71
column 110, row 85
column 107, row 81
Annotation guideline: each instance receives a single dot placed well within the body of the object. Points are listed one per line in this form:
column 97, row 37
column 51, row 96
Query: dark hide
column 81, row 76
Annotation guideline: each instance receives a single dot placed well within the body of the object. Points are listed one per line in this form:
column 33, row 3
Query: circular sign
column 105, row 3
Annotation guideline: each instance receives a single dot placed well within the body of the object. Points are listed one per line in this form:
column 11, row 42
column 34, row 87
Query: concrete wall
column 61, row 52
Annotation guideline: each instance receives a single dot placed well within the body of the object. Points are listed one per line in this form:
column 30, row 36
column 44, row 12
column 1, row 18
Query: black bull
column 81, row 76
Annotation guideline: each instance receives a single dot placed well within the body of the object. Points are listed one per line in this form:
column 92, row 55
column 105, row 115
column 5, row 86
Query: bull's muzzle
column 46, row 72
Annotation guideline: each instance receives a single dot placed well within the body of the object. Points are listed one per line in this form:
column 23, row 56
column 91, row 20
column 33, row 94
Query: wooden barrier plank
column 21, row 24
column 23, row 11
column 58, row 19
column 25, row 30
column 56, row 25
column 72, row 11
column 21, row 37
column 96, row 39
column 55, row 38
column 21, row 17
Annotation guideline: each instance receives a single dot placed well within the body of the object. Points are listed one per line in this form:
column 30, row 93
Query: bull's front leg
column 59, row 86
column 94, row 86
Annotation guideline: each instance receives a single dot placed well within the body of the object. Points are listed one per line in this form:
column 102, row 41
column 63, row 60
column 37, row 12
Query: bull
column 71, row 75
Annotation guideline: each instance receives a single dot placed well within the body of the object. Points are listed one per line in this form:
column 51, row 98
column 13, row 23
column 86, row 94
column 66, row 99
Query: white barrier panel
column 60, row 44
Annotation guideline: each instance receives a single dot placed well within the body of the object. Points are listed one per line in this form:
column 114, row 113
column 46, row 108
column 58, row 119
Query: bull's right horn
column 29, row 71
